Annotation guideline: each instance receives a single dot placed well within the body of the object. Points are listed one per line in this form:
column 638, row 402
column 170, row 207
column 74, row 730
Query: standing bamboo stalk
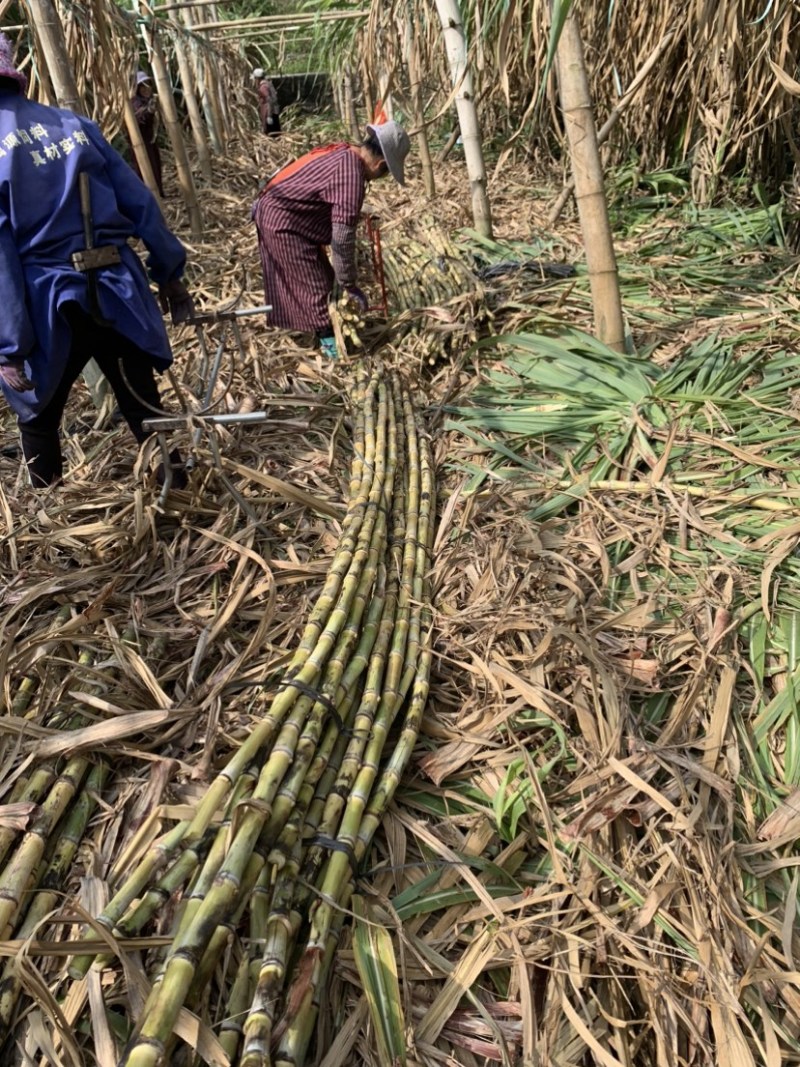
column 414, row 80
column 366, row 87
column 608, row 126
column 192, row 107
column 351, row 115
column 50, row 32
column 201, row 82
column 172, row 123
column 456, row 47
column 576, row 106
column 139, row 150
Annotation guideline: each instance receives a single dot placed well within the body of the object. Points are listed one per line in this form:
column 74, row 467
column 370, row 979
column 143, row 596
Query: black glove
column 357, row 296
column 15, row 376
column 175, row 299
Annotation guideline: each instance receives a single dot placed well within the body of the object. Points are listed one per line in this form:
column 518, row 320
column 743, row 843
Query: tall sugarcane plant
column 274, row 848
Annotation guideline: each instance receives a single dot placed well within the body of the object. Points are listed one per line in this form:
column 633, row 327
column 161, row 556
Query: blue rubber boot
column 327, row 346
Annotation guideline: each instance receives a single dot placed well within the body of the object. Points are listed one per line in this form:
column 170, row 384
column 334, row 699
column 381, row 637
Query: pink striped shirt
column 329, row 189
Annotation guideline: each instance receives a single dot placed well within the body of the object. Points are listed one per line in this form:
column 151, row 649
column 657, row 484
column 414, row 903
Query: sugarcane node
column 317, row 697
column 330, row 844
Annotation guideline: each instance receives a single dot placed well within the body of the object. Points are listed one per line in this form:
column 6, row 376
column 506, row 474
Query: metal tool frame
column 204, row 418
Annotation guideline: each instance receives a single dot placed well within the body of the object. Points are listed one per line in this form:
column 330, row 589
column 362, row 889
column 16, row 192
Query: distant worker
column 145, row 108
column 71, row 287
column 268, row 110
column 313, row 202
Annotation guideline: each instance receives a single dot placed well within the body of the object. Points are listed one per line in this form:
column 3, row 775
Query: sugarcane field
column 399, row 511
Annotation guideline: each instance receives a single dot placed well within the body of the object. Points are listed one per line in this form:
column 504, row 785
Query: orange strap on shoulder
column 298, row 164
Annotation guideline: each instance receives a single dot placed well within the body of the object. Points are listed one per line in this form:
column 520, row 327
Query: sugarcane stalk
column 281, row 921
column 158, row 855
column 340, row 866
column 225, row 931
column 279, row 934
column 231, row 1028
column 294, row 1035
column 29, row 790
column 296, row 1030
column 170, row 990
column 52, row 882
column 16, row 877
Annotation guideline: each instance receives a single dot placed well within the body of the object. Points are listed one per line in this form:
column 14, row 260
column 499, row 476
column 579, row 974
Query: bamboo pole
column 139, row 150
column 351, row 115
column 605, row 130
column 172, row 122
column 456, row 48
column 198, row 67
column 192, row 107
column 576, row 106
column 414, row 80
column 215, row 97
column 50, row 33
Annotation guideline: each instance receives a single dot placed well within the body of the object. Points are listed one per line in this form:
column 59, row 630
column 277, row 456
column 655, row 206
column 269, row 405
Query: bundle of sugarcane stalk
column 426, row 270
column 428, row 279
column 348, row 323
column 259, row 878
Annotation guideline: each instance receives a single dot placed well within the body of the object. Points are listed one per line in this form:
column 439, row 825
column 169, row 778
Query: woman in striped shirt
column 313, row 202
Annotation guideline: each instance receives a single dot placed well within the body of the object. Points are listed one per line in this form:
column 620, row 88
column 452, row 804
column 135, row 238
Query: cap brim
column 396, row 166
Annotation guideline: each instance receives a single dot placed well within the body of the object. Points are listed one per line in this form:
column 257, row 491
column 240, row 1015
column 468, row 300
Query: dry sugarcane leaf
column 784, row 822
column 786, row 81
column 17, row 816
column 459, row 981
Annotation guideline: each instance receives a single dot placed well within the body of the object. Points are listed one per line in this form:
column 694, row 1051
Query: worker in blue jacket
column 71, row 287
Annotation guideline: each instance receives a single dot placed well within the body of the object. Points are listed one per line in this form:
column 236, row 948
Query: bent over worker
column 313, row 202
column 71, row 289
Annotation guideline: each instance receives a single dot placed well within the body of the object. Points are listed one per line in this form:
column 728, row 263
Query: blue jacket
column 42, row 152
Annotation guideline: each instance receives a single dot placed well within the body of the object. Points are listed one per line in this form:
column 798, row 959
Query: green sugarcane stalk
column 226, row 931
column 294, row 1035
column 340, row 866
column 297, row 798
column 279, row 935
column 157, row 857
column 169, row 993
column 27, row 687
column 389, row 633
column 52, row 882
column 334, row 802
column 298, row 1028
column 283, row 921
column 165, row 888
column 188, row 862
column 30, row 790
column 337, row 680
column 34, row 788
column 231, row 1027
column 16, row 877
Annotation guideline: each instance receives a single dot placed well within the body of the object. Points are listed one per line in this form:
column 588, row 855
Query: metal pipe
column 176, row 422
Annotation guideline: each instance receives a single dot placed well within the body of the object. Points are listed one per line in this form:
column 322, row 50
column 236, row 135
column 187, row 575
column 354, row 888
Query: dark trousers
column 41, row 440
column 272, row 126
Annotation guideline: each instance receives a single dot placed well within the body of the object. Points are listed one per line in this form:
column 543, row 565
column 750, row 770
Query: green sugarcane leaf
column 775, row 714
column 758, row 646
column 377, row 968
